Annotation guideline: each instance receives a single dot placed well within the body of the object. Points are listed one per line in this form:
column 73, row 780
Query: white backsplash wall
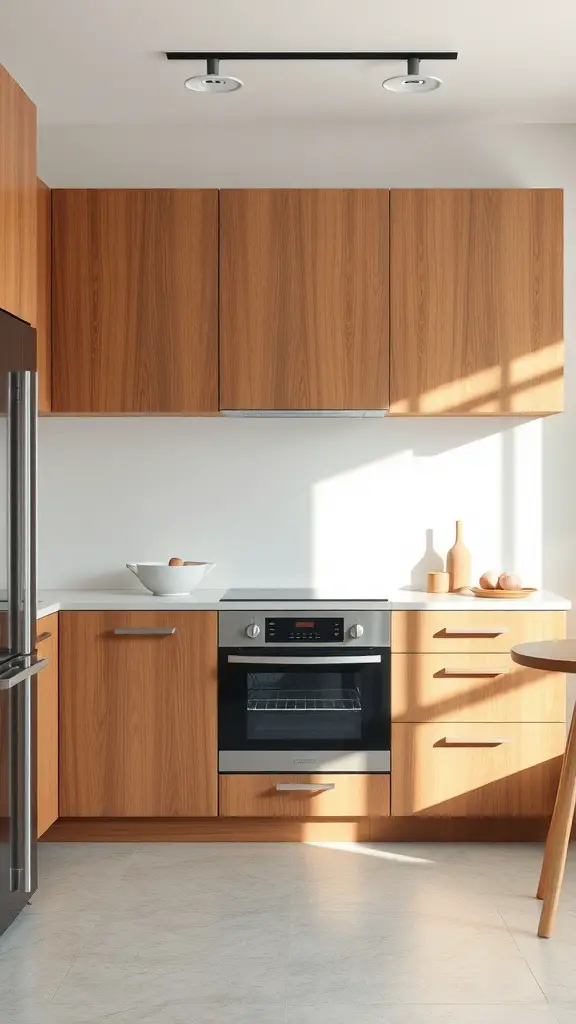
column 341, row 503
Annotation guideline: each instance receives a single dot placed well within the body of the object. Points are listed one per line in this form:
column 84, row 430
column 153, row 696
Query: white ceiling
column 100, row 61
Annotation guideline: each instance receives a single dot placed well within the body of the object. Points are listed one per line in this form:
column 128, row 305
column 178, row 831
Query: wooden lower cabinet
column 473, row 688
column 138, row 714
column 258, row 796
column 47, row 726
column 476, row 769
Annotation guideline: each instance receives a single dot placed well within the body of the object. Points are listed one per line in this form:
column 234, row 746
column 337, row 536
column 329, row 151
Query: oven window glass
column 290, row 706
column 295, row 706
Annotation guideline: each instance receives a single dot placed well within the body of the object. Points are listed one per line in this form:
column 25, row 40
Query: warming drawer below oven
column 304, row 796
column 341, row 761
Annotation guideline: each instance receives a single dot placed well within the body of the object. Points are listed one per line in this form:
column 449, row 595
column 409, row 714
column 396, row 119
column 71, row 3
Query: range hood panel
column 307, row 413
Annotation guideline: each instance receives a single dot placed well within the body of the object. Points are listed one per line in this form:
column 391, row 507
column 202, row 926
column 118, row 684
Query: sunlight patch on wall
column 371, row 524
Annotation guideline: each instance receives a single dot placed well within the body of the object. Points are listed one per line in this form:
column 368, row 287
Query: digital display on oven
column 282, row 630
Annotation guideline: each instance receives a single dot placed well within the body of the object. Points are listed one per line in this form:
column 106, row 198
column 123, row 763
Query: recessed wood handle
column 296, row 787
column 43, row 636
column 486, row 631
column 475, row 741
column 145, row 631
column 472, row 673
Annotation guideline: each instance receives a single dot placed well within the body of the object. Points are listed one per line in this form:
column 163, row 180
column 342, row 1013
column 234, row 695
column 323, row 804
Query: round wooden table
column 555, row 656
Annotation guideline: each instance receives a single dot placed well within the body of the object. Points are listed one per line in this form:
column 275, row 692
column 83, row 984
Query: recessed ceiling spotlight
column 413, row 81
column 213, row 81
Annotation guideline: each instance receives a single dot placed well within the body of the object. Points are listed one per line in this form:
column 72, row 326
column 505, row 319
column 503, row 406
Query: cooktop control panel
column 282, row 630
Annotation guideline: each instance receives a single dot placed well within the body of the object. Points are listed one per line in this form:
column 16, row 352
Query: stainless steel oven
column 304, row 691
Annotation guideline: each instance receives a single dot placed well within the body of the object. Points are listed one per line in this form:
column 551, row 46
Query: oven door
column 311, row 710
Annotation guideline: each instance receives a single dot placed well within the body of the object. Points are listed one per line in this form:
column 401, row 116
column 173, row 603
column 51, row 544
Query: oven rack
column 303, row 700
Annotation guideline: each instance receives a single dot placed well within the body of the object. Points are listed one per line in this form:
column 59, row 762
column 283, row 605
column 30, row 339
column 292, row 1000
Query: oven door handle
column 255, row 659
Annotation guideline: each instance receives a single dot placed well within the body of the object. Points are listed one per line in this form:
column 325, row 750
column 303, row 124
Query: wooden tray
column 510, row 594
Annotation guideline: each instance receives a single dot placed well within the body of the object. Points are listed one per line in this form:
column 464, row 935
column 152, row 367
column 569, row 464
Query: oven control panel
column 282, row 630
column 304, row 627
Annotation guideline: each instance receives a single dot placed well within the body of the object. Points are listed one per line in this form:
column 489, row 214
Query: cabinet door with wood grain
column 44, row 312
column 135, row 300
column 476, row 283
column 138, row 713
column 18, row 200
column 304, row 299
column 47, row 725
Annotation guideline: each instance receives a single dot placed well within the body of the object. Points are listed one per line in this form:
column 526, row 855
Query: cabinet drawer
column 349, row 796
column 476, row 770
column 475, row 632
column 473, row 688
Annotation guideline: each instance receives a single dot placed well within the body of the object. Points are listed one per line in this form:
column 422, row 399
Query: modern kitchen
column 288, row 561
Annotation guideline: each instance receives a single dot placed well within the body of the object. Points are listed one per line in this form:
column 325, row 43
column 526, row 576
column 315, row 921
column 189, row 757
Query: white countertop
column 205, row 599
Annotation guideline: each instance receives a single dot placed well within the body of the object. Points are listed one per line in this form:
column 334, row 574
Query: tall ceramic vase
column 458, row 562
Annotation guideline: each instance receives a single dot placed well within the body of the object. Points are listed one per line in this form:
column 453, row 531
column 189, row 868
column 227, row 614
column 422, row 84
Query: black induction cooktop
column 293, row 594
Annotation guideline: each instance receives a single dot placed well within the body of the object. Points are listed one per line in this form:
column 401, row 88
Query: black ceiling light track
column 311, row 55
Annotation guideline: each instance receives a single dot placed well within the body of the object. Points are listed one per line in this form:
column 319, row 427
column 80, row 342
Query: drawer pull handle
column 475, row 741
column 308, row 787
column 43, row 636
column 469, row 631
column 472, row 673
column 145, row 631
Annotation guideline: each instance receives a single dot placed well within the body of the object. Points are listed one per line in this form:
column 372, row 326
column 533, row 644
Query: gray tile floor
column 290, row 934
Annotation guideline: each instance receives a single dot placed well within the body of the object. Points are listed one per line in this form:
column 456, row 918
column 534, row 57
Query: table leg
column 555, row 860
column 554, row 821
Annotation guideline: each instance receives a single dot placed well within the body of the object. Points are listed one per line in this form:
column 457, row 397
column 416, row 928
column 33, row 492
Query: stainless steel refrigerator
column 19, row 665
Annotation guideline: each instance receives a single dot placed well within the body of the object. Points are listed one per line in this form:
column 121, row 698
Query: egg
column 509, row 581
column 175, row 561
column 489, row 580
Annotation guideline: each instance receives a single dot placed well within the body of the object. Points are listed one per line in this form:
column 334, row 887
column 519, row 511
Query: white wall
column 312, row 501
column 342, row 502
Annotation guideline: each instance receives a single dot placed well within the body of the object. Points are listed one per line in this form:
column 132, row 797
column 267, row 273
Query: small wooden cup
column 438, row 582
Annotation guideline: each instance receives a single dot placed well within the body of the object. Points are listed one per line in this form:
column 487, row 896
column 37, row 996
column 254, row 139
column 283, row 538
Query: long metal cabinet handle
column 487, row 631
column 475, row 741
column 295, row 787
column 8, row 681
column 256, row 659
column 145, row 631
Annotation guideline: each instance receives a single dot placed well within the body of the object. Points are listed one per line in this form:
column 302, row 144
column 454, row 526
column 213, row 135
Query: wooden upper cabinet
column 44, row 314
column 138, row 714
column 476, row 284
column 304, row 299
column 135, row 300
column 18, row 252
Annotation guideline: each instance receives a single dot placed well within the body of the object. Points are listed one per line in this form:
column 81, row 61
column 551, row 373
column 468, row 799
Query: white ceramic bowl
column 170, row 580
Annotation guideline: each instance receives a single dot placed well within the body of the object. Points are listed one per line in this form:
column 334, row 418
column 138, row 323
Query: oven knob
column 253, row 630
column 356, row 631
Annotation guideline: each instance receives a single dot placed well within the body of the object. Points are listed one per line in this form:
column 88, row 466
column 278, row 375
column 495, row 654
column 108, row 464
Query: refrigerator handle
column 29, row 772
column 29, row 512
column 22, row 526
